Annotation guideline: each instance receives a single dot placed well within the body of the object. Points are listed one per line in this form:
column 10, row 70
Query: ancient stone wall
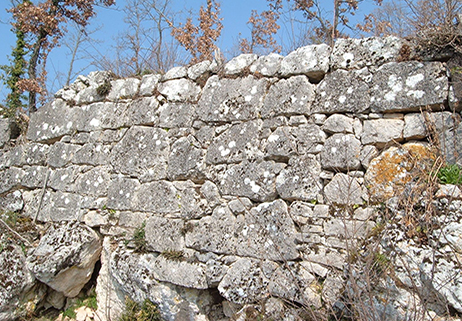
column 250, row 180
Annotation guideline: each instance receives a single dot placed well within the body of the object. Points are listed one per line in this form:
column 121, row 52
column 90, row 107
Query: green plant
column 450, row 174
column 90, row 302
column 139, row 239
column 147, row 311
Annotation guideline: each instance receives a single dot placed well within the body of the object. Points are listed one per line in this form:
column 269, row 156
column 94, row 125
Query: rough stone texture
column 148, row 84
column 186, row 160
column 408, row 86
column 300, row 180
column 343, row 92
column 239, row 63
column 389, row 173
column 382, row 131
column 5, row 131
column 346, row 190
column 267, row 65
column 288, row 97
column 312, row 61
column 341, row 152
column 338, row 123
column 231, row 99
column 199, row 69
column 123, row 88
column 179, row 90
column 65, row 258
column 353, row 53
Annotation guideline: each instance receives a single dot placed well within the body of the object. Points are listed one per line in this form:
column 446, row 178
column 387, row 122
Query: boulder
column 65, row 257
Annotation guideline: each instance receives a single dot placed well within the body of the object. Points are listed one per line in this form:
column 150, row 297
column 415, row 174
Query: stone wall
column 251, row 180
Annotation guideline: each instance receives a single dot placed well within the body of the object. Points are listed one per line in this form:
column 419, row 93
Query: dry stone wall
column 237, row 174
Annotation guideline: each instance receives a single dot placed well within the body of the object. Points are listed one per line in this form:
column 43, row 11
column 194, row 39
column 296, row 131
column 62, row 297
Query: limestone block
column 101, row 115
column 121, row 191
column 143, row 111
column 95, row 219
column 56, row 206
column 343, row 91
column 231, row 99
column 12, row 202
column 61, row 154
column 63, row 179
column 180, row 90
column 215, row 233
column 382, row 131
column 390, row 173
column 368, row 153
column 338, row 123
column 92, row 154
column 34, row 176
column 255, row 180
column 408, row 86
column 93, row 182
column 281, row 144
column 164, row 234
column 267, row 65
column 148, row 84
column 302, row 213
column 5, row 131
column 414, row 126
column 211, row 193
column 289, row 97
column 176, row 115
column 341, row 152
column 186, row 160
column 234, row 144
column 94, row 78
column 345, row 190
column 199, row 69
column 142, row 153
column 123, row 89
column 351, row 53
column 268, row 232
column 51, row 121
column 453, row 235
column 175, row 73
column 11, row 179
column 65, row 257
column 312, row 61
column 347, row 229
column 88, row 95
column 239, row 64
column 300, row 180
column 15, row 282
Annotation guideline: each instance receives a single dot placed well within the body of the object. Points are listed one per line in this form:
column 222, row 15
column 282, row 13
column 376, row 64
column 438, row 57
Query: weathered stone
column 210, row 192
column 341, row 152
column 63, row 179
column 199, row 69
column 345, row 190
column 388, row 174
column 34, row 176
column 347, row 230
column 123, row 89
column 175, row 73
column 16, row 280
column 312, row 61
column 11, row 179
column 148, row 84
column 5, row 131
column 176, row 115
column 267, row 65
column 450, row 191
column 94, row 182
column 368, row 153
column 215, row 233
column 338, row 123
column 181, row 90
column 65, row 257
column 95, row 78
column 351, row 53
column 121, row 191
column 142, row 153
column 164, row 234
column 12, row 202
column 300, row 180
column 255, row 180
column 381, row 132
column 92, row 154
column 234, row 144
column 268, row 232
column 61, row 154
column 343, row 92
column 186, row 160
column 288, row 97
column 55, row 206
column 239, row 64
column 95, row 219
column 408, row 86
column 101, row 115
column 190, row 275
column 281, row 144
column 414, row 126
column 88, row 95
column 142, row 111
column 231, row 99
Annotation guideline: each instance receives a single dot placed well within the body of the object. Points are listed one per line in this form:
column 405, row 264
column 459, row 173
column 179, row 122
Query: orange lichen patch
column 389, row 173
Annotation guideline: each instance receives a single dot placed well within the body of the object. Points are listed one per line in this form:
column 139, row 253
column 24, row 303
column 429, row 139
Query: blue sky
column 235, row 14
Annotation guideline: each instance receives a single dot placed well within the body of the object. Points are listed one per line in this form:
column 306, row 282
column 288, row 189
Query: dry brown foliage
column 200, row 40
column 263, row 28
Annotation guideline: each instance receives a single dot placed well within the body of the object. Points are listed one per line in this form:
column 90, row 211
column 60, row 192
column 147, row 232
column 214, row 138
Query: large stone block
column 341, row 152
column 408, row 86
column 181, row 90
column 142, row 153
column 300, row 180
column 312, row 61
column 343, row 92
column 351, row 53
column 176, row 115
column 225, row 100
column 382, row 131
column 5, row 131
column 345, row 190
column 288, row 97
column 186, row 160
column 164, row 234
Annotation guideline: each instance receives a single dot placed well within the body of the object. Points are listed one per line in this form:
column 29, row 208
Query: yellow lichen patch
column 389, row 173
